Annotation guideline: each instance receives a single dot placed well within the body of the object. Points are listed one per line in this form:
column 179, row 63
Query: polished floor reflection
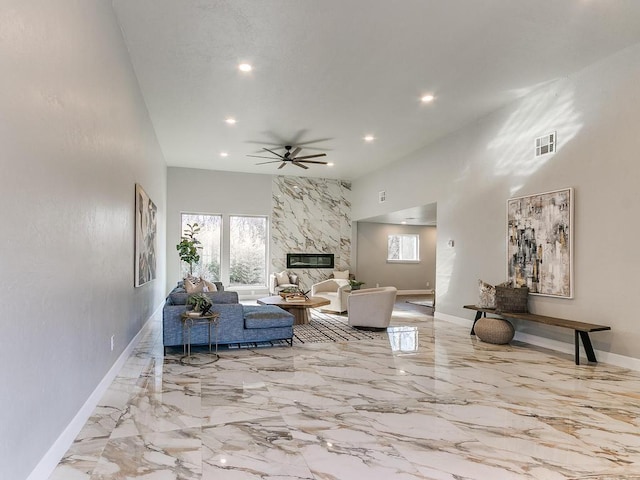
column 427, row 401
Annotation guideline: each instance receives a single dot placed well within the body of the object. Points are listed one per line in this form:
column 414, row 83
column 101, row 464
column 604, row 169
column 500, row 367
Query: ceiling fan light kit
column 292, row 157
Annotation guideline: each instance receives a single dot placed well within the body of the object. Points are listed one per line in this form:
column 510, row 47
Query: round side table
column 188, row 322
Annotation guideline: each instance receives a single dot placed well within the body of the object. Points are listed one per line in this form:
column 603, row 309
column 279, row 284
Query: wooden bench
column 581, row 329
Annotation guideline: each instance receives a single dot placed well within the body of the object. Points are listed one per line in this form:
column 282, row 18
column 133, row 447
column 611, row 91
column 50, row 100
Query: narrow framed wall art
column 145, row 238
column 540, row 243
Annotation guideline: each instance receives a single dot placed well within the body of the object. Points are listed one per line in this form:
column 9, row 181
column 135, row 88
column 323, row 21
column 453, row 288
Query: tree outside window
column 248, row 250
column 403, row 248
column 209, row 236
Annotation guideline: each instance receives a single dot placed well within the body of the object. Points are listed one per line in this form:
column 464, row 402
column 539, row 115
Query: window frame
column 413, row 236
column 220, row 240
column 245, row 286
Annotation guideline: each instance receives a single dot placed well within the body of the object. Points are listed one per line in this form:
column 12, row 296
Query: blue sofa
column 237, row 323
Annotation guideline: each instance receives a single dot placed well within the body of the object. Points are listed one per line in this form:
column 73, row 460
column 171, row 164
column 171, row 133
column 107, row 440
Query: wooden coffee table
column 300, row 310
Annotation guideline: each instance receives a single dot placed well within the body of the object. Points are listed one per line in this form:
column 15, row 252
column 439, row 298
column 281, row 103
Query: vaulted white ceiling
column 328, row 72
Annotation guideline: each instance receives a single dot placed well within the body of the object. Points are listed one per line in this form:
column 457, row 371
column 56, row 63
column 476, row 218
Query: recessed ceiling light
column 224, row 154
column 404, row 222
column 427, row 99
column 245, row 67
column 230, row 121
column 369, row 138
column 330, row 164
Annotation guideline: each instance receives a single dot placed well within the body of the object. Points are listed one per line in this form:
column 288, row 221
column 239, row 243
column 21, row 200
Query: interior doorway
column 377, row 263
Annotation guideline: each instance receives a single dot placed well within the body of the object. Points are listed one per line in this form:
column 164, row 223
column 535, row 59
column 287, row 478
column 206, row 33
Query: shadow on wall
column 508, row 161
column 538, row 114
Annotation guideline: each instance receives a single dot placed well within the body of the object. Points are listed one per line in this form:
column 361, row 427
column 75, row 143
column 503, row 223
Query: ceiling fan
column 291, row 156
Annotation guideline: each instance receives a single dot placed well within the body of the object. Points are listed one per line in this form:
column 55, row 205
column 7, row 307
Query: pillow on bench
column 509, row 299
column 486, row 295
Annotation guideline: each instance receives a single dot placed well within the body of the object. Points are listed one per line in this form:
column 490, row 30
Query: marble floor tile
column 176, row 454
column 426, row 401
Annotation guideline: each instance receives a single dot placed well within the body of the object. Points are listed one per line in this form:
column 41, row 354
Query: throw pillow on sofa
column 208, row 286
column 193, row 287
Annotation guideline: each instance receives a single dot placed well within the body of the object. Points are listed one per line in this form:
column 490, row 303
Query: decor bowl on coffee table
column 285, row 292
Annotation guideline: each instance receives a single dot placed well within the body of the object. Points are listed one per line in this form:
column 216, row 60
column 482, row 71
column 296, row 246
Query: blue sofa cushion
column 266, row 316
column 180, row 298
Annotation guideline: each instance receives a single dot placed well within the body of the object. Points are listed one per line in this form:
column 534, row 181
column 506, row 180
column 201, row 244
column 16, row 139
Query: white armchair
column 371, row 307
column 336, row 291
column 282, row 280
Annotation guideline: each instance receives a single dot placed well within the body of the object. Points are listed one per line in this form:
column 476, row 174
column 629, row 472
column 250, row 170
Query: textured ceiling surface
column 326, row 73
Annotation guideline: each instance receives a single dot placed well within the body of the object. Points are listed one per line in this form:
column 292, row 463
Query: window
column 248, row 251
column 403, row 248
column 209, row 236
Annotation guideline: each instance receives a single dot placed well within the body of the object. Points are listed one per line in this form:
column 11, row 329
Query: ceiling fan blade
column 300, row 165
column 271, row 151
column 260, row 156
column 311, row 161
column 272, row 161
column 312, row 156
column 282, row 165
column 295, row 152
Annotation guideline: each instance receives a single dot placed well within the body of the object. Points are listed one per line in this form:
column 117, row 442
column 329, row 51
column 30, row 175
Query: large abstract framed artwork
column 540, row 243
column 145, row 249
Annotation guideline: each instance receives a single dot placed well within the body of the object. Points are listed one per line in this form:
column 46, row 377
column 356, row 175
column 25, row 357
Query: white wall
column 192, row 190
column 75, row 137
column 471, row 174
column 373, row 267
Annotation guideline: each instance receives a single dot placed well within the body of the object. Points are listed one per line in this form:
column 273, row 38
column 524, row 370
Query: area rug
column 326, row 327
column 323, row 328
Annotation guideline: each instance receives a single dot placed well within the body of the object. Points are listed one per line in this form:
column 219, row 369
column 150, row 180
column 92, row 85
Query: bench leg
column 588, row 348
column 478, row 316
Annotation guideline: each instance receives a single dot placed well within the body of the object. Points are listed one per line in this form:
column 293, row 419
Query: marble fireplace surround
column 310, row 215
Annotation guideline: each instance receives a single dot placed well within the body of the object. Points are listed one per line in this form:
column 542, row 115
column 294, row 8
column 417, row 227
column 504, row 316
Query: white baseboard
column 415, row 292
column 556, row 345
column 50, row 460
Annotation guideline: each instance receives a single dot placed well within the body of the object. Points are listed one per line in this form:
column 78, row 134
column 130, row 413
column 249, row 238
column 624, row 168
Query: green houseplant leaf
column 200, row 302
column 189, row 246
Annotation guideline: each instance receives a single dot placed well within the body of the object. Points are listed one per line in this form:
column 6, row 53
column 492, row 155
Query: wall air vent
column 382, row 196
column 546, row 144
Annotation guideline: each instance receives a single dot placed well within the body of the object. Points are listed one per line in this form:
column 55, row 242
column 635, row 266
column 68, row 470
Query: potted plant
column 355, row 284
column 200, row 303
column 189, row 246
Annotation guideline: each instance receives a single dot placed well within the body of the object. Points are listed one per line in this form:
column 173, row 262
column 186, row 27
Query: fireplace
column 310, row 260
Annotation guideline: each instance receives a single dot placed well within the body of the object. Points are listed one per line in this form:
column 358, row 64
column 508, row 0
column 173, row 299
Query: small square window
column 403, row 248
